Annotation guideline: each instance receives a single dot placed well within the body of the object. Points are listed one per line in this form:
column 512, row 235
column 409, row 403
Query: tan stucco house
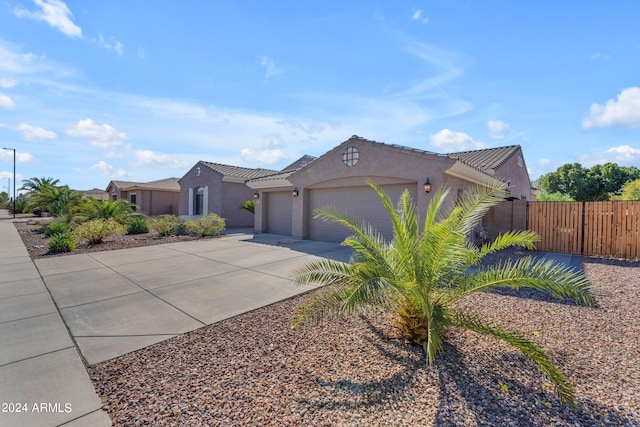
column 154, row 198
column 285, row 200
column 220, row 189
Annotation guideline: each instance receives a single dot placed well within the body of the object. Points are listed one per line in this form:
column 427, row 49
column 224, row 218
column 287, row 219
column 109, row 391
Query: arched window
column 198, row 201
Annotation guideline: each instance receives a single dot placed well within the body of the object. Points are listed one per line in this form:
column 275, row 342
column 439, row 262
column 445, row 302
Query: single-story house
column 220, row 189
column 154, row 198
column 285, row 201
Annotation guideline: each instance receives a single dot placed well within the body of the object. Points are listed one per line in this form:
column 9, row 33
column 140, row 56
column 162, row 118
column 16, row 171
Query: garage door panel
column 279, row 212
column 358, row 202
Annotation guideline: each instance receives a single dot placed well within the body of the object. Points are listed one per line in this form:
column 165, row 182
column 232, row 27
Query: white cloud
column 623, row 112
column 108, row 171
column 418, row 15
column 33, row 133
column 100, row 136
column 111, row 44
column 21, row 157
column 270, row 68
column 497, row 129
column 6, row 102
column 53, row 12
column 449, row 141
column 624, row 155
column 267, row 156
column 150, row 158
column 544, row 162
column 7, row 83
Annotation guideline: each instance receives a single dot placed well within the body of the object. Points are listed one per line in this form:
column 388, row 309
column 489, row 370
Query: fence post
column 582, row 229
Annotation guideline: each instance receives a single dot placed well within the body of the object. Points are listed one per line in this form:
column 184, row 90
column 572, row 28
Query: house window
column 133, row 199
column 351, row 156
column 198, row 201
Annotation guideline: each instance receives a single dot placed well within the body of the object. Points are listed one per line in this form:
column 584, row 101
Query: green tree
column 631, row 190
column 424, row 271
column 120, row 210
column 554, row 197
column 599, row 182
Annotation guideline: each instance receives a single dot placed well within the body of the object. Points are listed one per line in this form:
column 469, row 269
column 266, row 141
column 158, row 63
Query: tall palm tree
column 37, row 185
column 423, row 272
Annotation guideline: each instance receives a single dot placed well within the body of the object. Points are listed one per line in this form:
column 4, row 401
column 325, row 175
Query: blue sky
column 141, row 90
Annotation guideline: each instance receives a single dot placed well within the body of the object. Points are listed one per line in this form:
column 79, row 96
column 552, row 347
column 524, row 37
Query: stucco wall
column 156, row 202
column 515, row 171
column 233, row 194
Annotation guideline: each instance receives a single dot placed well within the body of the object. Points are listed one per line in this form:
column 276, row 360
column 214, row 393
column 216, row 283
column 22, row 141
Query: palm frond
column 562, row 387
column 556, row 279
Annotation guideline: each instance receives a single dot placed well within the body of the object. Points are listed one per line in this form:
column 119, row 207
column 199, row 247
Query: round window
column 351, row 156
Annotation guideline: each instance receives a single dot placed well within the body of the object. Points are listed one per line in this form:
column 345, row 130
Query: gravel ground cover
column 254, row 370
column 37, row 243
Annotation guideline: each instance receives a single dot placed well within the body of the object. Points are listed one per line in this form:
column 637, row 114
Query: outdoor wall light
column 295, row 192
column 427, row 186
column 256, row 195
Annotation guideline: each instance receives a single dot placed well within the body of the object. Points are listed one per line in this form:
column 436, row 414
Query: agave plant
column 423, row 272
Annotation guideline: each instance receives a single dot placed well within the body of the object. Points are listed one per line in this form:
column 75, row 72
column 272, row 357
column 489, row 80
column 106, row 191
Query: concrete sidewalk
column 43, row 381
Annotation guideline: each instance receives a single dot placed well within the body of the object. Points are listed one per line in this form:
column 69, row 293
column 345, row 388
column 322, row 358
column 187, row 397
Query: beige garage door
column 359, row 202
column 279, row 212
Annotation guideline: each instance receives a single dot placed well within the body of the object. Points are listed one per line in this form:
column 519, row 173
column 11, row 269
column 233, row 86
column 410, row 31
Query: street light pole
column 14, row 179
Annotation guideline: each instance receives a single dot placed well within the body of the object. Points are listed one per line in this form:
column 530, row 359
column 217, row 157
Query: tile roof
column 275, row 177
column 239, row 172
column 301, row 162
column 169, row 184
column 488, row 158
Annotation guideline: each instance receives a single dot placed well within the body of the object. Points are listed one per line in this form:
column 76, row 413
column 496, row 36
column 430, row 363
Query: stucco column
column 190, row 211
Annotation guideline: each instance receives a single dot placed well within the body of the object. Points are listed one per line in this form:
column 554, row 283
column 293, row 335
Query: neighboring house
column 96, row 193
column 220, row 189
column 154, row 198
column 285, row 201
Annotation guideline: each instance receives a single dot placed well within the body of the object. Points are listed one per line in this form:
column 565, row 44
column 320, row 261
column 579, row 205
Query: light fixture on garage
column 256, row 195
column 295, row 192
column 427, row 186
column 198, row 171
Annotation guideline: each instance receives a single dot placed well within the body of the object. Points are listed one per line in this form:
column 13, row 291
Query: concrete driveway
column 120, row 301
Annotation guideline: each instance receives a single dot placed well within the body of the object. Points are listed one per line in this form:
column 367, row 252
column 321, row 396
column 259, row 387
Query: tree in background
column 631, row 190
column 581, row 184
column 37, row 185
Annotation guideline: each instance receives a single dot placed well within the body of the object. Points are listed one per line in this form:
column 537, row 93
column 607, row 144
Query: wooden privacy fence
column 607, row 229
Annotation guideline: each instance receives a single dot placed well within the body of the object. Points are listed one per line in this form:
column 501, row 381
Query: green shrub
column 138, row 226
column 52, row 228
column 62, row 242
column 210, row 225
column 96, row 230
column 167, row 225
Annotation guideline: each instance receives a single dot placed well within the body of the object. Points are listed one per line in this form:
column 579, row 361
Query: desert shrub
column 210, row 225
column 62, row 242
column 138, row 226
column 167, row 225
column 96, row 230
column 51, row 228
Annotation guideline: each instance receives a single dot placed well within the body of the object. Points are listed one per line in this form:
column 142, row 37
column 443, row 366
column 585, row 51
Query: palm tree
column 60, row 201
column 120, row 210
column 37, row 185
column 421, row 274
column 248, row 205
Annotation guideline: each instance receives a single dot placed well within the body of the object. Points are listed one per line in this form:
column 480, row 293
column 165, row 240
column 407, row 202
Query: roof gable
column 488, row 159
column 300, row 163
